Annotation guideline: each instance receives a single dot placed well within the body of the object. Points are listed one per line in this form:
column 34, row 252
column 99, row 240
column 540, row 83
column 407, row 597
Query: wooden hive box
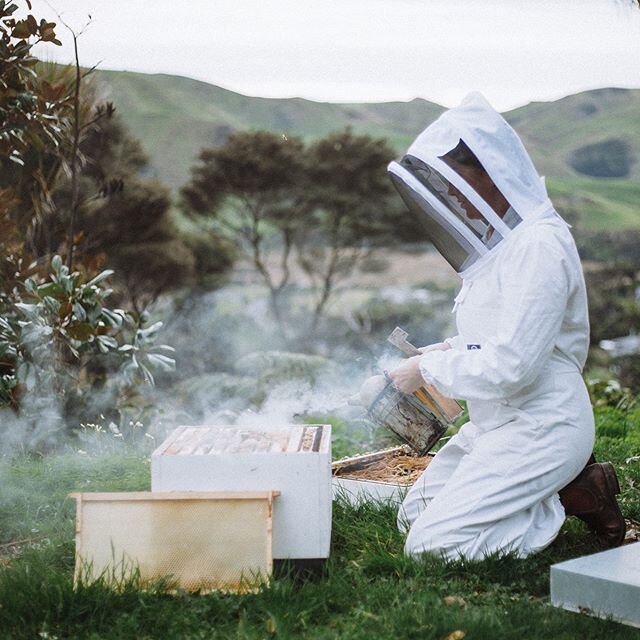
column 199, row 541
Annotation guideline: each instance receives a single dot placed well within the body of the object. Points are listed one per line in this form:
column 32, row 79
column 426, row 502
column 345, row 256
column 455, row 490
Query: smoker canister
column 418, row 419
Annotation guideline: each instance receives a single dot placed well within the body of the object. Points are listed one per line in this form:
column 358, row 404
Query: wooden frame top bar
column 174, row 495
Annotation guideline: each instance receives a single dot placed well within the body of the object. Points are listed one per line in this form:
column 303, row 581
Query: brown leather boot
column 592, row 498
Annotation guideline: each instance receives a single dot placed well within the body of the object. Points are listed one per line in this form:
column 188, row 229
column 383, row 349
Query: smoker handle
column 398, row 338
column 409, row 350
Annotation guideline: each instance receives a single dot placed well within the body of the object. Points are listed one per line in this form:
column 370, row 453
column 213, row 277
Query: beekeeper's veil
column 460, row 223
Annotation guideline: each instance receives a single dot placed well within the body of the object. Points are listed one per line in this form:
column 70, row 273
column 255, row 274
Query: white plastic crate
column 294, row 460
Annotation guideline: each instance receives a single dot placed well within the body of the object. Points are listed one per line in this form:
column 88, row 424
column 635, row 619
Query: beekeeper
column 500, row 484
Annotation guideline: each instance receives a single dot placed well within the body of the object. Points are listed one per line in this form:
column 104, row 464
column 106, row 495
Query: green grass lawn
column 368, row 589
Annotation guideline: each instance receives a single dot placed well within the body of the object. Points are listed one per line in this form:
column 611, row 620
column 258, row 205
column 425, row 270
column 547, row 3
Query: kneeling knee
column 433, row 541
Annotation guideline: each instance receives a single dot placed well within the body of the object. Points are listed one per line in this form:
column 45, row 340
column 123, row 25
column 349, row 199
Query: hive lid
column 217, row 440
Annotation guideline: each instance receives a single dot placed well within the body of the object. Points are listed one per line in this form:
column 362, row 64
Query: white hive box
column 358, row 479
column 605, row 584
column 294, row 460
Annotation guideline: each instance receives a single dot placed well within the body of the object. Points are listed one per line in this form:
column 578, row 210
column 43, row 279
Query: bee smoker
column 421, row 418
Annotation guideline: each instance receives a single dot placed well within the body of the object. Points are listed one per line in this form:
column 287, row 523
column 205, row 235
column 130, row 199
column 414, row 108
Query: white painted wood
column 605, row 584
column 356, row 490
column 294, row 460
column 199, row 541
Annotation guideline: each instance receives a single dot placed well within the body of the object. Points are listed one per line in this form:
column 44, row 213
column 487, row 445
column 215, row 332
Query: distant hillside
column 175, row 117
column 599, row 123
column 588, row 144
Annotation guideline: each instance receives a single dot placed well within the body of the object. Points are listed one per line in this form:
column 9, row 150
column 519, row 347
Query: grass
column 368, row 589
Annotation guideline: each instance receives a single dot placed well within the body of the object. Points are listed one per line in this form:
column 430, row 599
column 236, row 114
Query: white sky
column 514, row 51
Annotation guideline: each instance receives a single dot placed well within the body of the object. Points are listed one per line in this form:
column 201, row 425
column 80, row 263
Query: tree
column 59, row 341
column 33, row 116
column 321, row 207
column 248, row 189
column 115, row 214
column 126, row 218
column 349, row 195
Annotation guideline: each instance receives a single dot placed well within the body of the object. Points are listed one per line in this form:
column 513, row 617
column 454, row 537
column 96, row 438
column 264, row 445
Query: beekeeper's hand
column 407, row 376
column 439, row 346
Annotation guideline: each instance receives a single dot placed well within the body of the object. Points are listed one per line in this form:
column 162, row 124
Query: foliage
column 613, row 307
column 348, row 188
column 318, row 207
column 33, row 116
column 248, row 188
column 27, row 110
column 61, row 346
column 351, row 200
column 611, row 158
column 79, row 184
column 277, row 366
column 134, row 227
column 124, row 219
column 609, row 393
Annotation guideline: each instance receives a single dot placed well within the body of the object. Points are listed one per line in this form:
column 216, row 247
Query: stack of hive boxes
column 224, row 502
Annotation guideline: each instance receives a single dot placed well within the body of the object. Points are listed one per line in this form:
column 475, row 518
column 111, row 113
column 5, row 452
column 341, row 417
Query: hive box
column 363, row 489
column 294, row 460
column 198, row 541
column 605, row 584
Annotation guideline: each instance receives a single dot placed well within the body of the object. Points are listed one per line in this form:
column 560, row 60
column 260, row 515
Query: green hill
column 555, row 131
column 588, row 144
column 175, row 117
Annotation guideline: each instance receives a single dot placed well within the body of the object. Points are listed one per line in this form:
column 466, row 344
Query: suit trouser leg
column 435, row 477
column 502, row 494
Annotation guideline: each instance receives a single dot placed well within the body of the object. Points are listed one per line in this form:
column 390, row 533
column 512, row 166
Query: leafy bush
column 279, row 366
column 63, row 348
column 26, row 118
column 609, row 393
column 611, row 158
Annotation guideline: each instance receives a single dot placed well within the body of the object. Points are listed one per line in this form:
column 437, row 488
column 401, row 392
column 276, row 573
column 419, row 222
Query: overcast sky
column 514, row 51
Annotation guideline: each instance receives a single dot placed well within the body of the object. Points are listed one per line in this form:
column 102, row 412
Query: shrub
column 611, row 158
column 64, row 349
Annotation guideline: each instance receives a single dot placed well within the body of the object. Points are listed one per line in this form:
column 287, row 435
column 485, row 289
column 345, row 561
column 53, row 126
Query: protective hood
column 461, row 224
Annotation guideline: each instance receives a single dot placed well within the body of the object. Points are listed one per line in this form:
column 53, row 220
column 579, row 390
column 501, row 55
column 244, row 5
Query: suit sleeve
column 534, row 295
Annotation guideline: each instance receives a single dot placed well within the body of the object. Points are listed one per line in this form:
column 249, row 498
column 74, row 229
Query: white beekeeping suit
column 522, row 324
